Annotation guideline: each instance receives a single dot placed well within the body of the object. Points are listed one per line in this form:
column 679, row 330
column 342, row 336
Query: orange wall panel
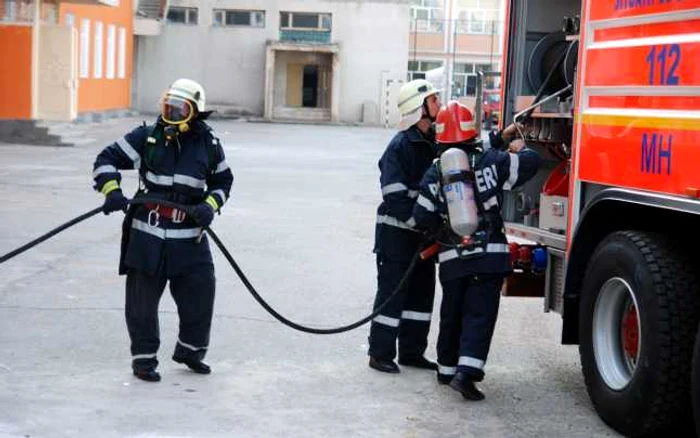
column 485, row 44
column 100, row 94
column 16, row 72
column 432, row 42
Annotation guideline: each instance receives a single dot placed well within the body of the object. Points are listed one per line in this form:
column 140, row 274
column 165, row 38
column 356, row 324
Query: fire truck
column 608, row 93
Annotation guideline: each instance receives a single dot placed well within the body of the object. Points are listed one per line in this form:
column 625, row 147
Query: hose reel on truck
column 551, row 71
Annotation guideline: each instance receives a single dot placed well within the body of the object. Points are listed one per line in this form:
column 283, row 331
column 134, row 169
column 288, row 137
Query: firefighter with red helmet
column 458, row 204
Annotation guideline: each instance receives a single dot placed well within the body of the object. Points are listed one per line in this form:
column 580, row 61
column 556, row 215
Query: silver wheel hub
column 616, row 333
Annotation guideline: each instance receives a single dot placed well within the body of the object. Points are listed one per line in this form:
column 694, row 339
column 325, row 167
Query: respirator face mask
column 176, row 110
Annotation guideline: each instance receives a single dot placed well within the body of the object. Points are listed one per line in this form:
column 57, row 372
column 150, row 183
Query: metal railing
column 305, row 36
column 478, row 27
column 428, row 26
column 461, row 27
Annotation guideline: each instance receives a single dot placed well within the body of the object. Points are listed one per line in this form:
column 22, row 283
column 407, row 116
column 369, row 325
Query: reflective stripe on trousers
column 393, row 222
column 491, row 248
column 405, row 315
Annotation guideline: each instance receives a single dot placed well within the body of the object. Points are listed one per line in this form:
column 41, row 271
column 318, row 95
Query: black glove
column 115, row 201
column 203, row 214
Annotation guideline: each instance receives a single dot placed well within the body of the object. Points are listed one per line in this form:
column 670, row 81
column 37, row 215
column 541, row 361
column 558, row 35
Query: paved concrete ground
column 301, row 226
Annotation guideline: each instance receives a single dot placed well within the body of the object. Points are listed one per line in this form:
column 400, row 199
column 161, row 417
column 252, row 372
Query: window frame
column 423, row 65
column 188, row 10
column 475, row 21
column 251, row 20
column 435, row 21
column 121, row 53
column 469, row 73
column 98, row 50
column 84, row 47
column 319, row 21
column 111, row 51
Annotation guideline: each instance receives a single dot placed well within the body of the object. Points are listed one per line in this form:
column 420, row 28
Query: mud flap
column 524, row 284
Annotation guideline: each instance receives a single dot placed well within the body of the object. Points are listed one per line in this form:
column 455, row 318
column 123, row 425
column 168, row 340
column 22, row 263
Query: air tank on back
column 459, row 193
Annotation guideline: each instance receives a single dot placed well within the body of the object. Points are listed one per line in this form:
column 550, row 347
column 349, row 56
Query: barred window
column 182, row 15
column 231, row 17
column 427, row 16
column 305, row 20
column 417, row 69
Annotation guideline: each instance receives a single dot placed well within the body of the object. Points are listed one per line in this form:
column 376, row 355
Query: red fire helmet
column 455, row 124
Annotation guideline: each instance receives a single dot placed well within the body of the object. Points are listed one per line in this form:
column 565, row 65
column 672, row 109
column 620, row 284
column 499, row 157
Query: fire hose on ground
column 318, row 331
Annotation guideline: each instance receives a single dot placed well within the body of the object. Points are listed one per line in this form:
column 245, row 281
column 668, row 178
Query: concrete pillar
column 269, row 82
column 36, row 22
column 335, row 92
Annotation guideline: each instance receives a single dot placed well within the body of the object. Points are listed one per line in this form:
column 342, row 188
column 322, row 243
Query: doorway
column 309, row 93
column 300, row 84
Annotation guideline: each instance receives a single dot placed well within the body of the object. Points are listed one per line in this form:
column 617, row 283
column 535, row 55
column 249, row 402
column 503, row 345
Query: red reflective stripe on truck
column 691, row 103
column 601, row 10
column 647, row 30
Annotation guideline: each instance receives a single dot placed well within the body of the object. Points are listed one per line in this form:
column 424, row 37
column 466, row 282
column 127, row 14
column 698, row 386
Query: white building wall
column 230, row 61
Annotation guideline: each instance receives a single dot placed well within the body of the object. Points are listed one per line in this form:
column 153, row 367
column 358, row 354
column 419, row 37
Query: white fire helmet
column 411, row 97
column 182, row 101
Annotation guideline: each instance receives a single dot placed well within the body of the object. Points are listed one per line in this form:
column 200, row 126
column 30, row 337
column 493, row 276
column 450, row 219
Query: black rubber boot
column 385, row 366
column 463, row 384
column 444, row 379
column 195, row 365
column 147, row 375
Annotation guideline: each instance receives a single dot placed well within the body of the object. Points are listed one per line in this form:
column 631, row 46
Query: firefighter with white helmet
column 405, row 160
column 178, row 159
column 473, row 255
column 413, row 102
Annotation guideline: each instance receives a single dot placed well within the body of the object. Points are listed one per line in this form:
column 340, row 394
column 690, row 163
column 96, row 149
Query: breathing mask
column 176, row 112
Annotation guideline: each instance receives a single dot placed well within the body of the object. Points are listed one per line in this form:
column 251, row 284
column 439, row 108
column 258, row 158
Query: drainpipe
column 35, row 58
column 451, row 37
column 165, row 5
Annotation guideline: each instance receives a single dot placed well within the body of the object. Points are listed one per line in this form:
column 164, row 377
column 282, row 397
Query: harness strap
column 463, row 176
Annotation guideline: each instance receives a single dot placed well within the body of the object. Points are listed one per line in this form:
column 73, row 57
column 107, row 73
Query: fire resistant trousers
column 408, row 314
column 467, row 319
column 194, row 296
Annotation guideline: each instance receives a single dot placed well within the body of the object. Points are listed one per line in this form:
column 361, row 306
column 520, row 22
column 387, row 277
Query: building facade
column 333, row 60
column 460, row 37
column 68, row 57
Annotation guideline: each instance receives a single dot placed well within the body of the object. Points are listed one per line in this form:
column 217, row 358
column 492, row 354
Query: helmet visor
column 175, row 110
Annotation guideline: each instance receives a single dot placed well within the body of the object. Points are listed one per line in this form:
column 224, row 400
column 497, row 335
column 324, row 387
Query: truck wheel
column 695, row 379
column 637, row 326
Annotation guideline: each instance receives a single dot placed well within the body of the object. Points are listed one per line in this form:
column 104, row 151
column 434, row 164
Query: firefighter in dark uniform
column 402, row 165
column 471, row 271
column 179, row 160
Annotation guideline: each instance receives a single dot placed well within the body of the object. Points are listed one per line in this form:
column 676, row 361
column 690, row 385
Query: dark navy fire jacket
column 187, row 170
column 494, row 172
column 402, row 166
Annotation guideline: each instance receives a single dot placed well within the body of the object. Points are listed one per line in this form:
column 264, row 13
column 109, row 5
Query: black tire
column 659, row 280
column 695, row 382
